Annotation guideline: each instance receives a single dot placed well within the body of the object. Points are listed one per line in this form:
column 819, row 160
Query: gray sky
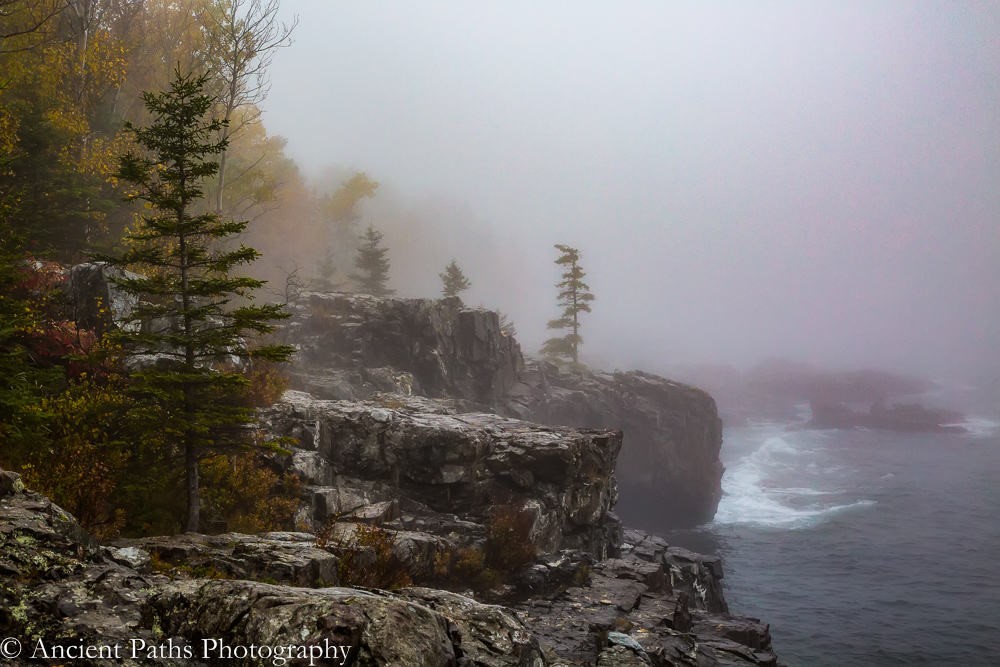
column 815, row 180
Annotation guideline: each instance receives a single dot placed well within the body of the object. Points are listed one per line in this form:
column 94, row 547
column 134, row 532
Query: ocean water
column 863, row 547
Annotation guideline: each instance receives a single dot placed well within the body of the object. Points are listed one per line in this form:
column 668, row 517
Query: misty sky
column 815, row 180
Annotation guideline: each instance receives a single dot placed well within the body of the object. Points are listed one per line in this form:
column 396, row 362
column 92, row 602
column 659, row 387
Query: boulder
column 95, row 301
column 410, row 627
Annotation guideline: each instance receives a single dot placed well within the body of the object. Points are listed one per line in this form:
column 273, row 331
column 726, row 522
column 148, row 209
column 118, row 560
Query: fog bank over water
column 815, row 180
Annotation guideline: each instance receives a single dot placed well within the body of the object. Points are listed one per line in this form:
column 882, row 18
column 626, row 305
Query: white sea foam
column 978, row 427
column 802, row 491
column 765, row 486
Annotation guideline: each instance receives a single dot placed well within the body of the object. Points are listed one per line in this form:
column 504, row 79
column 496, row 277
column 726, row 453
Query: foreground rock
column 411, row 627
column 285, row 558
column 61, row 592
column 652, row 605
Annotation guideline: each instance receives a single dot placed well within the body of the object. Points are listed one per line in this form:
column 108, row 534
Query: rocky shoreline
column 645, row 603
column 591, row 593
column 435, row 462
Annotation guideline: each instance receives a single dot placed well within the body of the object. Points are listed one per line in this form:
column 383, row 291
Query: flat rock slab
column 287, row 558
column 403, row 449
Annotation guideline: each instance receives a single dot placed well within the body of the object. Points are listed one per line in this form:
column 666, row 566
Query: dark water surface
column 863, row 547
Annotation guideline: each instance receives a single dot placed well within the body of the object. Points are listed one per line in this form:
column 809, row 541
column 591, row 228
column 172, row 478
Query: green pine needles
column 574, row 298
column 453, row 280
column 372, row 263
column 195, row 316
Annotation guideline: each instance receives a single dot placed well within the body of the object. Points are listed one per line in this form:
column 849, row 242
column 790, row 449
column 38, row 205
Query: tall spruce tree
column 574, row 298
column 186, row 315
column 453, row 280
column 372, row 262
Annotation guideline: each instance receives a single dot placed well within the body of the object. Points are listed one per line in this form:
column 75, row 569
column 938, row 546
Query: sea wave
column 978, row 427
column 777, row 485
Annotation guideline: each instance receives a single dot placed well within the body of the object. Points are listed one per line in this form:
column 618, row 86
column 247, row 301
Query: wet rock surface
column 672, row 434
column 400, row 452
column 285, row 558
column 61, row 589
column 354, row 345
column 55, row 582
column 650, row 605
column 653, row 605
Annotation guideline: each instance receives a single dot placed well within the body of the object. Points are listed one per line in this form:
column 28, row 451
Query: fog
column 816, row 181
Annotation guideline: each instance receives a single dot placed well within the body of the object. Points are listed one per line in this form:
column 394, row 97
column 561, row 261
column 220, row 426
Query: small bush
column 465, row 567
column 265, row 383
column 367, row 558
column 243, row 493
column 508, row 538
column 79, row 459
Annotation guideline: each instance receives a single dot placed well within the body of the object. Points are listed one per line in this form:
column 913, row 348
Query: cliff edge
column 353, row 346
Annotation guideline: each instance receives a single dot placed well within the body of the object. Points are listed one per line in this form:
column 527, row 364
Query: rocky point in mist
column 627, row 206
column 429, row 530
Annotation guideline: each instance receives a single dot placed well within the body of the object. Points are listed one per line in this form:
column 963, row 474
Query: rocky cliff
column 352, row 346
column 396, row 454
column 65, row 597
column 669, row 466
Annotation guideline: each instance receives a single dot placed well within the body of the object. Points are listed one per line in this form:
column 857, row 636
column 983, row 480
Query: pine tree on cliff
column 574, row 298
column 185, row 313
column 372, row 263
column 453, row 280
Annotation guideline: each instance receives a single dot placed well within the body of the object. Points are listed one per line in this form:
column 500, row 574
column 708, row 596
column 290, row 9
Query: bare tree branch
column 243, row 36
column 24, row 17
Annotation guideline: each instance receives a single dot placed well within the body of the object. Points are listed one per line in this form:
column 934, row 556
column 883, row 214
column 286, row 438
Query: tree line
column 147, row 427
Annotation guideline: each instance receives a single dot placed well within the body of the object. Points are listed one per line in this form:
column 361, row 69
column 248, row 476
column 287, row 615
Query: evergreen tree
column 23, row 383
column 326, row 270
column 574, row 298
column 185, row 306
column 372, row 264
column 453, row 280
